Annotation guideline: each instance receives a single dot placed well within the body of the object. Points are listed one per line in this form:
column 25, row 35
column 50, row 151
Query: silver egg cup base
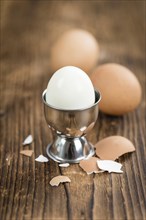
column 69, row 128
column 70, row 150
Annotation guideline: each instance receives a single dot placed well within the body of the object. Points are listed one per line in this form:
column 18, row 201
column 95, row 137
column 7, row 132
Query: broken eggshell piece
column 41, row 159
column 64, row 164
column 27, row 153
column 111, row 148
column 110, row 166
column 28, row 140
column 59, row 179
column 90, row 165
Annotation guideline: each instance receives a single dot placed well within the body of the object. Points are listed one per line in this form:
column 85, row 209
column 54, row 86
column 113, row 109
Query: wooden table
column 28, row 29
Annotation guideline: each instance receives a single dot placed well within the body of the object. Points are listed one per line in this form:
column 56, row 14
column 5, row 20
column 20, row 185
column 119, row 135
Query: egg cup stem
column 70, row 150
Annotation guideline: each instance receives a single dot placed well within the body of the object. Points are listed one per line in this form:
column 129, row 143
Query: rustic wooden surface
column 28, row 28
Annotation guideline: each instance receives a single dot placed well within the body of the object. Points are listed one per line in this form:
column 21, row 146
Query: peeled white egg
column 70, row 88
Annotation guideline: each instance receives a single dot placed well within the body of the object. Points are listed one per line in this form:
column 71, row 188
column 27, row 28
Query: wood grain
column 28, row 29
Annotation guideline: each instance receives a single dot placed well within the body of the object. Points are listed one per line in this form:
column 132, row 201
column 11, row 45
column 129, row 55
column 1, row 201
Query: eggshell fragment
column 119, row 87
column 75, row 47
column 41, row 159
column 28, row 140
column 113, row 147
column 27, row 153
column 110, row 166
column 64, row 165
column 90, row 165
column 59, row 179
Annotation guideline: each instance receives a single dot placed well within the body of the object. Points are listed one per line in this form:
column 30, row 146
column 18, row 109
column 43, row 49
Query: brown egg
column 112, row 147
column 75, row 47
column 119, row 87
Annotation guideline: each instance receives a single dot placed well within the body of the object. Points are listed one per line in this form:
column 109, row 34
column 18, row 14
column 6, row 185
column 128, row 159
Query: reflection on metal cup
column 69, row 128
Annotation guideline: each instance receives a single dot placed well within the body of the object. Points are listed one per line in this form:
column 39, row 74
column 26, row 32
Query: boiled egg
column 70, row 88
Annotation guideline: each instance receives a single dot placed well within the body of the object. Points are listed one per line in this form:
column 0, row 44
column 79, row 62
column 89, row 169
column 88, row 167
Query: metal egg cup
column 69, row 128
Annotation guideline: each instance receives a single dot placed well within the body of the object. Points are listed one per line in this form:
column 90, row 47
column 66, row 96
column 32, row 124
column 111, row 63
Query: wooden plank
column 27, row 31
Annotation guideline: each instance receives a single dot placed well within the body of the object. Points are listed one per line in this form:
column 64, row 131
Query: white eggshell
column 70, row 88
column 28, row 140
column 110, row 166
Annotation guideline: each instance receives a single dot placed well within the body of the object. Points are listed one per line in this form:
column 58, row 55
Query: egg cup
column 69, row 128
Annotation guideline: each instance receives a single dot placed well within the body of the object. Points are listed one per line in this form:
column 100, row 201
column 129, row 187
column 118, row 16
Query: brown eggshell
column 27, row 153
column 119, row 87
column 113, row 147
column 75, row 47
column 59, row 179
column 90, row 165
